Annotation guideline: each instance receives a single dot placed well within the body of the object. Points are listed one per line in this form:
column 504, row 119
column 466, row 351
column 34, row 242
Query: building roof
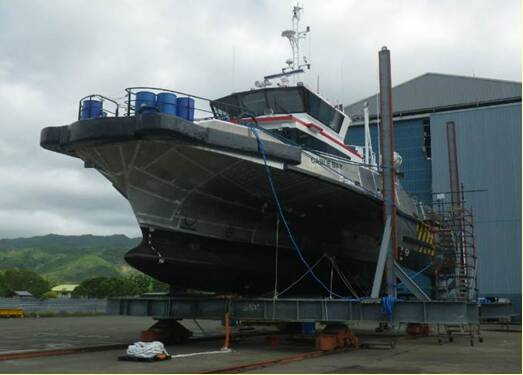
column 22, row 293
column 64, row 288
column 435, row 91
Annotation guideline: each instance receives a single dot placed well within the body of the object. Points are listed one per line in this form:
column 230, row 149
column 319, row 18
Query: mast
column 295, row 35
column 295, row 64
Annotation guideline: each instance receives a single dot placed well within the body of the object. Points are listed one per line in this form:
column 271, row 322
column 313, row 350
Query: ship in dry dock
column 264, row 195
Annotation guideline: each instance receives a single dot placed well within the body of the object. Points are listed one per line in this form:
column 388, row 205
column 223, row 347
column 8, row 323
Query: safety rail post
column 128, row 102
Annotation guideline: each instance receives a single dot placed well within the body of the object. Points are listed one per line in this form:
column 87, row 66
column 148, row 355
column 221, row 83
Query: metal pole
column 457, row 205
column 453, row 165
column 382, row 258
column 388, row 173
column 368, row 141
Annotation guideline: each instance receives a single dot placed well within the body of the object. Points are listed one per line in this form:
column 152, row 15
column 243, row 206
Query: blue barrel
column 166, row 103
column 308, row 328
column 185, row 108
column 91, row 109
column 145, row 102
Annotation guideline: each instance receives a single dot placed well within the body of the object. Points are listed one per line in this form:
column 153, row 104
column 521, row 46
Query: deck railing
column 114, row 110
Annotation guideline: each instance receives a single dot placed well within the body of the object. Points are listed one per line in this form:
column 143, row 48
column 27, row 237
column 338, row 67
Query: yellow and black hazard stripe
column 424, row 235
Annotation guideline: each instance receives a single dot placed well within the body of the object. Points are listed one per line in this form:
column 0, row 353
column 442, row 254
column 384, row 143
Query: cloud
column 57, row 51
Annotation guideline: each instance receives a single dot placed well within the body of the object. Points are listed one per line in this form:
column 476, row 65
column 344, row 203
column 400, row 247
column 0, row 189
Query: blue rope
column 261, row 150
column 387, row 304
column 387, row 301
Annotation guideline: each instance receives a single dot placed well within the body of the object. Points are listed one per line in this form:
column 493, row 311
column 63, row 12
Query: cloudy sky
column 54, row 52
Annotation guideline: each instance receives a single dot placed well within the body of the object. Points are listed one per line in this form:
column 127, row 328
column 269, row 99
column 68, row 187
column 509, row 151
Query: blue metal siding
column 489, row 157
column 408, row 140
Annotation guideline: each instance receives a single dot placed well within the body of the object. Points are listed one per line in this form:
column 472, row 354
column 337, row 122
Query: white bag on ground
column 142, row 349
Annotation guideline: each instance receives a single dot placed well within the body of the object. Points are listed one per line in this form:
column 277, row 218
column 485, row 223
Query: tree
column 91, row 288
column 49, row 294
column 146, row 284
column 21, row 279
column 142, row 282
column 130, row 285
column 3, row 286
column 102, row 287
column 116, row 287
column 158, row 286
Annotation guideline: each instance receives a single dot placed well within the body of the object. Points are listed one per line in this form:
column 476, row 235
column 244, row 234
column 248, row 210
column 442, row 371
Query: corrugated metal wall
column 408, row 140
column 489, row 157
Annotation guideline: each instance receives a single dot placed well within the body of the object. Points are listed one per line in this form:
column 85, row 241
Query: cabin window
column 254, row 102
column 285, row 101
column 281, row 100
column 337, row 121
column 225, row 108
column 325, row 113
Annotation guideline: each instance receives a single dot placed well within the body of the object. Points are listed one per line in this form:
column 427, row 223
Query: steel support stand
column 382, row 257
column 387, row 156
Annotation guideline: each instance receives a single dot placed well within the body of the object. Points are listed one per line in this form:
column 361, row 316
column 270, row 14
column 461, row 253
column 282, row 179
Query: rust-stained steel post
column 453, row 165
column 387, row 163
column 227, row 337
column 457, row 202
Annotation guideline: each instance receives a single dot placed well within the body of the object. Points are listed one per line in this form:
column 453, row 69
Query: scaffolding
column 453, row 226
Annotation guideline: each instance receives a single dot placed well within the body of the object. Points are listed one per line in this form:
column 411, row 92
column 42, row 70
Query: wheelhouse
column 279, row 100
column 296, row 113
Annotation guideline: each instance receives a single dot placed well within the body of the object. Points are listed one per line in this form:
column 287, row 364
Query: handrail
column 103, row 98
column 242, row 109
column 130, row 92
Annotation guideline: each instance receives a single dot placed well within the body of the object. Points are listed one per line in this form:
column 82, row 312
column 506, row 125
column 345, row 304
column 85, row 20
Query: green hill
column 68, row 259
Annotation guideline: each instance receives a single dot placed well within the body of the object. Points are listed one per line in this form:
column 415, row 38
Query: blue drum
column 185, row 108
column 145, row 103
column 91, row 109
column 166, row 102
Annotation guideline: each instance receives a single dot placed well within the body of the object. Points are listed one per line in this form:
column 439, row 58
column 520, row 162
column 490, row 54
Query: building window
column 426, row 138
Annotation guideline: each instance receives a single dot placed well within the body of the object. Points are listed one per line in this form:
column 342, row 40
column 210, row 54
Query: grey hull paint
column 208, row 183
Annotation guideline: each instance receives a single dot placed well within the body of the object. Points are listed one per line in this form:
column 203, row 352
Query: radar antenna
column 294, row 36
column 294, row 64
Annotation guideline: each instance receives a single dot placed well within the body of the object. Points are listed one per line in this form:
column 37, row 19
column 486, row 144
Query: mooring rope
column 261, row 149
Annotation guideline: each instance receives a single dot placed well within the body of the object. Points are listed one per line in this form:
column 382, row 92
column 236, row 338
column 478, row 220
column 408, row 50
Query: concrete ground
column 69, row 332
column 500, row 352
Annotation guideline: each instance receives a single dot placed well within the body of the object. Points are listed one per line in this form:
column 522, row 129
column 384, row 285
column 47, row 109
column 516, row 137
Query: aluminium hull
column 208, row 216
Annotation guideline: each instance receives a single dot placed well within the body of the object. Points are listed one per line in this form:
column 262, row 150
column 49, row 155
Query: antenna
column 341, row 85
column 294, row 36
column 233, row 67
column 294, row 64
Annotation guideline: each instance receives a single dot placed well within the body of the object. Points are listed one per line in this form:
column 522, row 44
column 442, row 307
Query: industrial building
column 487, row 117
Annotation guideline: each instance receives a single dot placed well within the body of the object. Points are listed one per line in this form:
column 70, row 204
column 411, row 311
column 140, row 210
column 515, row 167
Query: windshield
column 280, row 100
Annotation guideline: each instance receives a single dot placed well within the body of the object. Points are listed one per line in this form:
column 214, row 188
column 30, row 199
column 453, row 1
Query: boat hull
column 209, row 217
